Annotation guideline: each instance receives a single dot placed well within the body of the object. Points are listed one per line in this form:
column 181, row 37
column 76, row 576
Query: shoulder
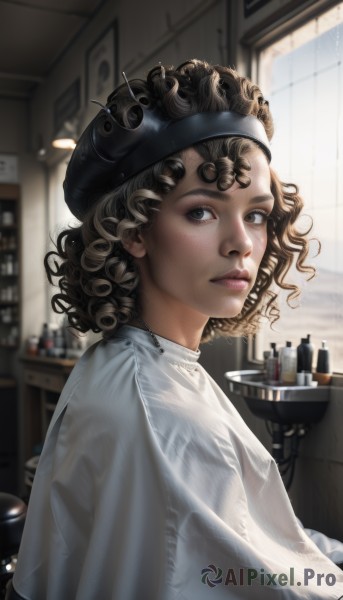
column 102, row 386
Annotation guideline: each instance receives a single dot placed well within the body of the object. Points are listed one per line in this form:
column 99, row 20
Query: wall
column 34, row 239
column 13, row 126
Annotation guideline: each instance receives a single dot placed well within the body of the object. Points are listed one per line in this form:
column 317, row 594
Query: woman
column 150, row 485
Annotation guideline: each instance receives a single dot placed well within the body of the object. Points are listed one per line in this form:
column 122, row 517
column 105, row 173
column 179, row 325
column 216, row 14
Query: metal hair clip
column 105, row 108
column 129, row 87
column 163, row 71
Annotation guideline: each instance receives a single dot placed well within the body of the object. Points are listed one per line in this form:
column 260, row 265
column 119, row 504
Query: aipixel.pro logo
column 212, row 575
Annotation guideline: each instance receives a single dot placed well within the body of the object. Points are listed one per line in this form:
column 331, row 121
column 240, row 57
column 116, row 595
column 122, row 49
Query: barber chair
column 12, row 519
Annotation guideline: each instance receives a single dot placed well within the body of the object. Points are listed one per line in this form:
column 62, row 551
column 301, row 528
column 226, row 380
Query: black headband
column 108, row 154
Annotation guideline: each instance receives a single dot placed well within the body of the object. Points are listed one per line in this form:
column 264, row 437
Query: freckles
column 260, row 243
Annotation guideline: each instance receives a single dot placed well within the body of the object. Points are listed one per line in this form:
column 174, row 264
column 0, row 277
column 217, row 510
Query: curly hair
column 98, row 279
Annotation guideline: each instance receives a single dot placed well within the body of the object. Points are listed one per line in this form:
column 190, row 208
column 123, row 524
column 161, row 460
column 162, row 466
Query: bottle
column 323, row 372
column 310, row 348
column 288, row 364
column 9, row 264
column 46, row 341
column 59, row 343
column 273, row 367
column 266, row 355
column 305, row 355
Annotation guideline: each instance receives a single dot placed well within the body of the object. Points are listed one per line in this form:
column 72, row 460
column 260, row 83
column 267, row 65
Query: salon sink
column 278, row 403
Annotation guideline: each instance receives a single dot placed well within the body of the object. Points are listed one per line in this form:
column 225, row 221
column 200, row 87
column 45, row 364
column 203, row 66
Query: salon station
column 59, row 62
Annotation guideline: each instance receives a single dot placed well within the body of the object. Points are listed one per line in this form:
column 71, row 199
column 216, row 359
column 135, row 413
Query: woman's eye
column 200, row 214
column 257, row 217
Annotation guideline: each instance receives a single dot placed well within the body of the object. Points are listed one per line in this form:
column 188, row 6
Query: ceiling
column 34, row 34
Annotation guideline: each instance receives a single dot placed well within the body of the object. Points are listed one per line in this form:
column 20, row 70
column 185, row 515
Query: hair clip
column 163, row 71
column 105, row 108
column 129, row 88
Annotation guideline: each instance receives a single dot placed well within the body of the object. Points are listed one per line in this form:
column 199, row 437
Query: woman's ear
column 134, row 244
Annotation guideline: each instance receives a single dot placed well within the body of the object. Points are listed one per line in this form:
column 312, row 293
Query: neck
column 180, row 331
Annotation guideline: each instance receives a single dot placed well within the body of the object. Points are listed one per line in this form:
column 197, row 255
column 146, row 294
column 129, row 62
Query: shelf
column 9, row 303
column 7, row 382
column 10, row 346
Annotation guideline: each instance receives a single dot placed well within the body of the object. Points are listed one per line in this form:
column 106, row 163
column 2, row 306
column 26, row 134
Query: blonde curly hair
column 97, row 278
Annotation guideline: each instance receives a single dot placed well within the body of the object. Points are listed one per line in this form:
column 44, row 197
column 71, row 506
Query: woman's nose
column 236, row 240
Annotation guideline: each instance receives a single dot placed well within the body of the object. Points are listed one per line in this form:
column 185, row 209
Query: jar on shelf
column 7, row 218
column 9, row 262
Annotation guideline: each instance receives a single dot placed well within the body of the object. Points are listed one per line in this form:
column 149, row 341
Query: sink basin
column 279, row 404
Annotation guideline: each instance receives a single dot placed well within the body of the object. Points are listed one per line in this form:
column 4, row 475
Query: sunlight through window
column 302, row 76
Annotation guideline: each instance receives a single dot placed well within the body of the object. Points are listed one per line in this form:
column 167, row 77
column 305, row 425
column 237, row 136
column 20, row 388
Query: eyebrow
column 218, row 195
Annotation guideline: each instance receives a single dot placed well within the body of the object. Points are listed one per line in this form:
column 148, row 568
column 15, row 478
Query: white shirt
column 151, row 487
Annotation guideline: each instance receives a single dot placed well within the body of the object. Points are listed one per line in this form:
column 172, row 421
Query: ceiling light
column 66, row 137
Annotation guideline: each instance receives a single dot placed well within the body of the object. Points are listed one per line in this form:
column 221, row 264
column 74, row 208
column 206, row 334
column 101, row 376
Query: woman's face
column 202, row 252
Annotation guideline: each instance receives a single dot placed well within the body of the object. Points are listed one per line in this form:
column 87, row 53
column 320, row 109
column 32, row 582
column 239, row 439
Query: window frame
column 277, row 25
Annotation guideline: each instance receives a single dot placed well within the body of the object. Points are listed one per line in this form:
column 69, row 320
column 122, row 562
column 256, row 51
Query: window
column 302, row 76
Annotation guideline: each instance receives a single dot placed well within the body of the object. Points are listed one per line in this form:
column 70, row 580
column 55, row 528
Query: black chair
column 12, row 519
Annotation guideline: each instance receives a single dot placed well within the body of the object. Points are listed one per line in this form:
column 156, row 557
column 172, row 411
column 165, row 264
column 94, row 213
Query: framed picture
column 101, row 66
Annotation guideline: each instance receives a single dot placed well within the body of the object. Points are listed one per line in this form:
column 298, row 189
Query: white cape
column 151, row 487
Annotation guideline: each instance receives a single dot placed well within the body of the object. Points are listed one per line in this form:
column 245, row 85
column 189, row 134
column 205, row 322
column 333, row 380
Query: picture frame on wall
column 102, row 66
